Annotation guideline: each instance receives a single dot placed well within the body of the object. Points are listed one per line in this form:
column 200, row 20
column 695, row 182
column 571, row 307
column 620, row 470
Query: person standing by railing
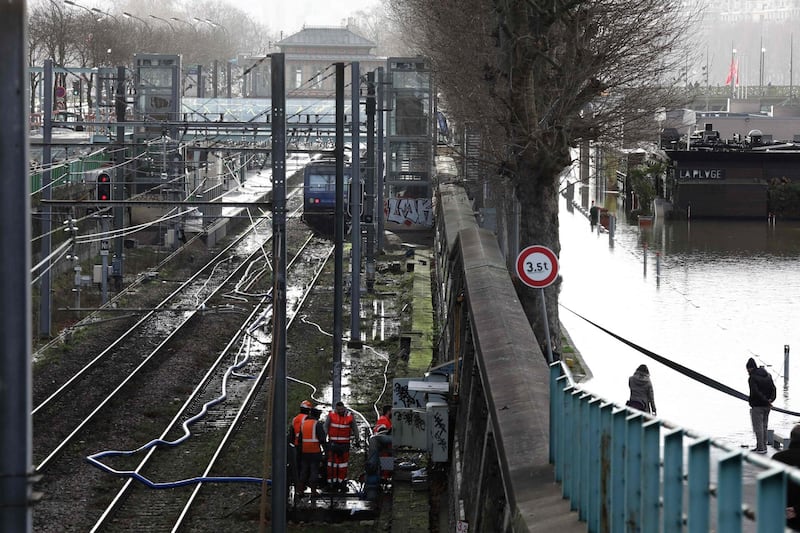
column 642, row 396
column 762, row 394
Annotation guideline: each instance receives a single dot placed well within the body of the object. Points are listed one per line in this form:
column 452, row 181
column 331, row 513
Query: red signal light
column 103, row 187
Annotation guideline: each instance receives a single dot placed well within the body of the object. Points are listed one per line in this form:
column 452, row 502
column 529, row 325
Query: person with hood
column 791, row 456
column 762, row 394
column 642, row 397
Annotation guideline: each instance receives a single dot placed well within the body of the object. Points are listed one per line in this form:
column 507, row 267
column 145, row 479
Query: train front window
column 321, row 182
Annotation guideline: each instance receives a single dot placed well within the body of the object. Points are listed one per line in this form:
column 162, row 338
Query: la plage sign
column 701, row 173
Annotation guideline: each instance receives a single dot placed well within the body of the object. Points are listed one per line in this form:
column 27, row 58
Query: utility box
column 402, row 396
column 438, row 431
column 409, row 428
column 97, row 273
column 419, row 415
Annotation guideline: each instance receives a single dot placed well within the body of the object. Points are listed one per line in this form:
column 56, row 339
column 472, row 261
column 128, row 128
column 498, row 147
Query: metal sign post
column 537, row 267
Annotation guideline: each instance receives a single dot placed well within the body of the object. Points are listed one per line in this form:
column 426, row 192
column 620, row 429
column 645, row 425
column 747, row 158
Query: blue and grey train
column 319, row 195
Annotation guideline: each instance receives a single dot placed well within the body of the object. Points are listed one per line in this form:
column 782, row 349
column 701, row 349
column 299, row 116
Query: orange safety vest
column 339, row 427
column 383, row 423
column 309, row 433
column 297, row 421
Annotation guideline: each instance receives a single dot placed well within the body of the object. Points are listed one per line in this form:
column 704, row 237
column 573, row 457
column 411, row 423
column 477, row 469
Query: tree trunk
column 537, row 192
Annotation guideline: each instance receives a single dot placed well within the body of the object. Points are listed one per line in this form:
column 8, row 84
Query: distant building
column 754, row 11
column 310, row 56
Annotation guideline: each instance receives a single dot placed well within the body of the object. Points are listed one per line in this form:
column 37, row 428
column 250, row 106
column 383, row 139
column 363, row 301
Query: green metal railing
column 71, row 172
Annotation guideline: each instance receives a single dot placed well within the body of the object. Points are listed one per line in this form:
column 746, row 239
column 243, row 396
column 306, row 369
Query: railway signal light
column 103, row 187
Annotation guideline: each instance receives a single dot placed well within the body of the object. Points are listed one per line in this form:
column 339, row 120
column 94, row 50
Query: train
column 319, row 196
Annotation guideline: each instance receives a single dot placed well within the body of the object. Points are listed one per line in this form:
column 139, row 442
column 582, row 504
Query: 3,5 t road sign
column 537, row 266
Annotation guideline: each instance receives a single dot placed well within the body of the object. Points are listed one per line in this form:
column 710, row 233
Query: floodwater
column 727, row 291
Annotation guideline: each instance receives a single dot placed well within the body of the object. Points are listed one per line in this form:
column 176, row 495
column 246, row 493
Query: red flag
column 733, row 73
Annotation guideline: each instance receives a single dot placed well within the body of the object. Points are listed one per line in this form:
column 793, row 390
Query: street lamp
column 132, row 16
column 176, row 19
column 761, row 72
column 104, row 14
column 212, row 24
column 91, row 11
column 163, row 20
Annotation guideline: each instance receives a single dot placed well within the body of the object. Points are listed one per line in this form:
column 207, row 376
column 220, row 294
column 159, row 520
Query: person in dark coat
column 642, row 397
column 791, row 456
column 762, row 394
column 594, row 215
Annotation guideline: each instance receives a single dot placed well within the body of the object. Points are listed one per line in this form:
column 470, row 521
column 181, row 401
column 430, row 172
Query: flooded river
column 727, row 291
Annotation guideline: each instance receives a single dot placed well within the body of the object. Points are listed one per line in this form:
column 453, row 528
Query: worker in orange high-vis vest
column 294, row 430
column 340, row 425
column 313, row 445
column 382, row 438
column 293, row 440
column 384, row 424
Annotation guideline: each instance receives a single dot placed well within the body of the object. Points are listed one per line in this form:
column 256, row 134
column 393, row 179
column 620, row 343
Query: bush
column 784, row 198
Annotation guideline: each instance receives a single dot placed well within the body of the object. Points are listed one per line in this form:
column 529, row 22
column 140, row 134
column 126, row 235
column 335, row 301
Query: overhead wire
column 686, row 371
column 54, row 256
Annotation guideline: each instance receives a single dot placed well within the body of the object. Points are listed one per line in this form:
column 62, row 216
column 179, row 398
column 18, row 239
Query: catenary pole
column 15, row 288
column 379, row 178
column 369, row 192
column 118, row 189
column 355, row 206
column 338, row 238
column 279, row 417
column 45, row 296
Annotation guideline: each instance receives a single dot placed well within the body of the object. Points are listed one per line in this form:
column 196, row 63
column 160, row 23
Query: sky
column 290, row 16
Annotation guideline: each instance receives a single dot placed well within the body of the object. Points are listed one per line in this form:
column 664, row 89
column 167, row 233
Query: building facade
column 309, row 62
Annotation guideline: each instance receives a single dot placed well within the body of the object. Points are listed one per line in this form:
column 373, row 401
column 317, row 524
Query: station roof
column 324, row 37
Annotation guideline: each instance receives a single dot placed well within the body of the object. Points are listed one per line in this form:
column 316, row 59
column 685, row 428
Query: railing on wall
column 620, row 469
column 623, row 470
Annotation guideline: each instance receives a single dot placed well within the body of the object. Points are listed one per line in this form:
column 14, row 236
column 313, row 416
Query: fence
column 623, row 470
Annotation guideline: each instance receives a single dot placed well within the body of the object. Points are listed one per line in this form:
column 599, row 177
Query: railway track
column 78, row 400
column 112, row 383
column 176, row 486
column 186, row 451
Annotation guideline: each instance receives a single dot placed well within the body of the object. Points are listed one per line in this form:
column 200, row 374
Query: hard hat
column 305, row 404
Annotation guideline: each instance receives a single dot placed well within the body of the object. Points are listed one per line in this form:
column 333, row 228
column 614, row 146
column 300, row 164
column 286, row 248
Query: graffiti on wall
column 410, row 211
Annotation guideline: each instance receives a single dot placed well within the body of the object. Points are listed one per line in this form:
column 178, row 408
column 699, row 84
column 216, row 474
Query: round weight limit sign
column 537, row 266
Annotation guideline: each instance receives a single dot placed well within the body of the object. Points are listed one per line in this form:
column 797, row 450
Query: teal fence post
column 594, row 464
column 618, row 471
column 566, row 467
column 583, row 452
column 729, row 492
column 604, row 513
column 633, row 472
column 555, row 396
column 673, row 482
column 699, row 487
column 575, row 450
column 771, row 510
column 651, row 482
column 561, row 453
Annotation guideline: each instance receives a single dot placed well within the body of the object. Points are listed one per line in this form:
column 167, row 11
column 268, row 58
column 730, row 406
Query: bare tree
column 539, row 76
column 206, row 32
column 51, row 29
column 375, row 25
